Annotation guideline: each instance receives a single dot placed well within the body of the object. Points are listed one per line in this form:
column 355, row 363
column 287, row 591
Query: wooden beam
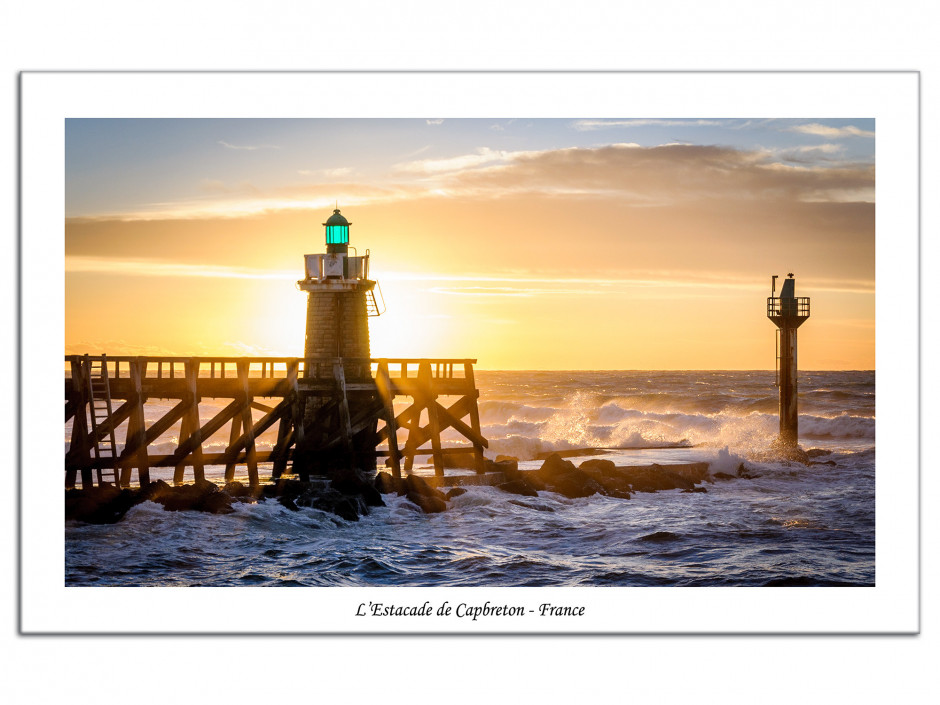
column 262, row 425
column 478, row 445
column 250, row 455
column 135, row 446
column 384, row 386
column 192, row 441
column 339, row 376
column 425, row 378
column 232, row 437
column 79, row 453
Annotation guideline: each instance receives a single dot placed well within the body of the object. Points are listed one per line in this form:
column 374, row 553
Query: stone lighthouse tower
column 340, row 299
column 787, row 312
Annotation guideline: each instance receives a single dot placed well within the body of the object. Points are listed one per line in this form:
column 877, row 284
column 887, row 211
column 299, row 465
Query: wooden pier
column 331, row 413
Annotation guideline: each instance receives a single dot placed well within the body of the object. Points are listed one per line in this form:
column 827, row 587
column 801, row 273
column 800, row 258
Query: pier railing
column 337, row 409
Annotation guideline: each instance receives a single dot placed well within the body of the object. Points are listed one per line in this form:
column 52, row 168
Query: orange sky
column 606, row 255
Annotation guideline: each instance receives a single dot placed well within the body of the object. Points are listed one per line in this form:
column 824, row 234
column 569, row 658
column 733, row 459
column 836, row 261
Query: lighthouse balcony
column 788, row 310
column 320, row 267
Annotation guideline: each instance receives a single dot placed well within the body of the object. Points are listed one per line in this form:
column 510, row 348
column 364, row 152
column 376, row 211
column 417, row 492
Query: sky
column 524, row 243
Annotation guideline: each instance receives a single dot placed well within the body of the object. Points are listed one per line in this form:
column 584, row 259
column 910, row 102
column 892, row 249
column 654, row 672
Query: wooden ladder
column 99, row 399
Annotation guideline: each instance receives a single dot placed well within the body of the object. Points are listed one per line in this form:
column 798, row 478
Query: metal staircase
column 375, row 307
column 99, row 400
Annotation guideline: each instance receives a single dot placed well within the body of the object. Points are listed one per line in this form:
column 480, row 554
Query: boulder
column 287, row 502
column 655, row 478
column 421, row 493
column 428, row 505
column 194, row 497
column 455, row 492
column 234, row 488
column 353, row 484
column 507, row 461
column 817, row 452
column 152, row 491
column 606, row 474
column 563, row 477
column 105, row 504
column 598, row 466
column 386, row 483
column 520, row 487
column 335, row 502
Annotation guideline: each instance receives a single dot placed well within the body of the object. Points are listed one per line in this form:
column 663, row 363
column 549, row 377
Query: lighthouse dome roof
column 336, row 219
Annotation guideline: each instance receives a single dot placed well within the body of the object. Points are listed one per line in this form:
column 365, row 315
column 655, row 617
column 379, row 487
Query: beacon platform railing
column 779, row 306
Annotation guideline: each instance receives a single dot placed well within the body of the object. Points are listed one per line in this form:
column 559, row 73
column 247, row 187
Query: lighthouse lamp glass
column 337, row 234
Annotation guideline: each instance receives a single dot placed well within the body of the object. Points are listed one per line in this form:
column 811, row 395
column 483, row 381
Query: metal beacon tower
column 788, row 313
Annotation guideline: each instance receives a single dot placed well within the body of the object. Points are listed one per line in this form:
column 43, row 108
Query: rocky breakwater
column 598, row 476
column 347, row 495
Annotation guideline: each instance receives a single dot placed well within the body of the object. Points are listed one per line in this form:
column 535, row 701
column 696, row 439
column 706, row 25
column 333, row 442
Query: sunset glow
column 527, row 244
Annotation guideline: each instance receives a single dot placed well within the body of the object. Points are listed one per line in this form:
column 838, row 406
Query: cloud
column 436, row 121
column 659, row 175
column 327, row 173
column 484, row 155
column 248, row 147
column 583, row 125
column 76, row 264
column 631, row 175
column 815, row 128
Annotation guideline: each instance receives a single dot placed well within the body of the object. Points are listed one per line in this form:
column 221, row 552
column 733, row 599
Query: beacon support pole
column 788, row 313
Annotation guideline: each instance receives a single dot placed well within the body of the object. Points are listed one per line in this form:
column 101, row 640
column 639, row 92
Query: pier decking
column 105, row 396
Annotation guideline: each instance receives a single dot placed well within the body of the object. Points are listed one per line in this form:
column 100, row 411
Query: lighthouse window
column 337, row 234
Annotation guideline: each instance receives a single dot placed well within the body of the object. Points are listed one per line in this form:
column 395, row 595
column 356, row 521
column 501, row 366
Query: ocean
column 782, row 523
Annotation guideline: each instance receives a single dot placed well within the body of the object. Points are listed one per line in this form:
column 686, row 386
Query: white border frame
column 892, row 98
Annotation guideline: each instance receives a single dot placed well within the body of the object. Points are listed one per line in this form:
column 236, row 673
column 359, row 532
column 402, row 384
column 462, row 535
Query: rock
column 285, row 501
column 386, row 483
column 417, row 485
column 455, row 492
column 236, row 489
column 353, row 484
column 217, row 503
column 421, row 493
column 723, row 476
column 563, row 477
column 105, row 504
column 599, row 466
column 153, row 491
column 695, row 490
column 606, row 474
column 289, row 488
column 334, row 502
column 817, row 452
column 520, row 487
column 187, row 497
column 509, row 468
column 655, row 478
column 428, row 505
column 507, row 463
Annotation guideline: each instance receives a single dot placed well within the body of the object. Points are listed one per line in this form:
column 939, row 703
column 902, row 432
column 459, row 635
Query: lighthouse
column 788, row 312
column 340, row 300
column 340, row 296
